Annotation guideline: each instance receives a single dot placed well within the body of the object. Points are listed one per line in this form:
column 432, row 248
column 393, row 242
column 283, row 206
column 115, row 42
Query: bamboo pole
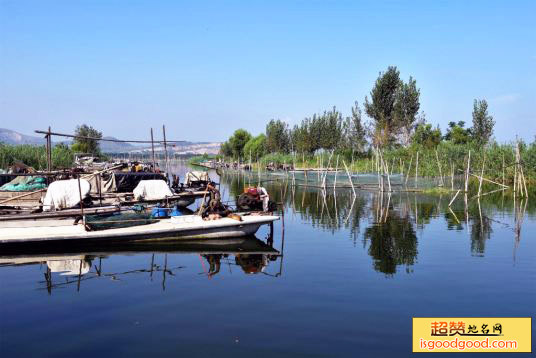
column 488, row 180
column 349, row 176
column 152, row 150
column 439, row 166
column 165, row 150
column 467, row 171
column 21, row 196
column 409, row 169
column 481, row 175
column 416, row 169
column 336, row 171
column 85, row 176
column 326, row 171
column 49, row 150
column 515, row 172
column 386, row 169
column 81, row 203
column 503, row 168
column 452, row 178
column 454, row 198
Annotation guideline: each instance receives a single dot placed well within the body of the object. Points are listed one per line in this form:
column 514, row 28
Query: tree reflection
column 397, row 216
column 392, row 242
column 481, row 229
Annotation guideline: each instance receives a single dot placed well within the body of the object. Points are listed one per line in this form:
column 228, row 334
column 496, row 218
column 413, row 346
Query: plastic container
column 175, row 212
column 158, row 212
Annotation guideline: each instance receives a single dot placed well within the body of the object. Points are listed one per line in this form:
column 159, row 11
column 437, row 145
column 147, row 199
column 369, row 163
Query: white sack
column 195, row 176
column 64, row 194
column 152, row 190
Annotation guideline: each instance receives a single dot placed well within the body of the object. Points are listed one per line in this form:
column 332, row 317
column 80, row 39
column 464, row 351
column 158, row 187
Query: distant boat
column 174, row 228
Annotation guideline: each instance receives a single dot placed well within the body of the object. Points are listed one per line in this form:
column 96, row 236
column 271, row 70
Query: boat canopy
column 65, row 194
column 152, row 190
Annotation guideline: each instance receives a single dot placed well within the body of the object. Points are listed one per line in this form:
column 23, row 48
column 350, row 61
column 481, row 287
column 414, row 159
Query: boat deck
column 181, row 227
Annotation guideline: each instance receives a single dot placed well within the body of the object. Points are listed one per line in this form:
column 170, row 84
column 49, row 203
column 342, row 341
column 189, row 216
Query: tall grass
column 35, row 156
column 452, row 157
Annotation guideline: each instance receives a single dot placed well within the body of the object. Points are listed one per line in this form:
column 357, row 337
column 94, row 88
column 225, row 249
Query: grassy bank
column 200, row 158
column 451, row 157
column 35, row 156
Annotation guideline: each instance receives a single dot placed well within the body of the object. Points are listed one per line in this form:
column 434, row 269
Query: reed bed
column 35, row 156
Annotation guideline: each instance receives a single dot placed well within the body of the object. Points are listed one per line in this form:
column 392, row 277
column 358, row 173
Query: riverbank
column 495, row 161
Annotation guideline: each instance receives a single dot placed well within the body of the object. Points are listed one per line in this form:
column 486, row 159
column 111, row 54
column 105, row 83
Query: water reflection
column 391, row 239
column 72, row 266
column 391, row 221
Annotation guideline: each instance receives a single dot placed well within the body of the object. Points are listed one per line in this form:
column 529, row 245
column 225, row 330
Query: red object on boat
column 252, row 191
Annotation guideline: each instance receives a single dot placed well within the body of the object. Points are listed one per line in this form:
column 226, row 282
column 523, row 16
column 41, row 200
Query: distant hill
column 116, row 147
column 12, row 137
column 9, row 136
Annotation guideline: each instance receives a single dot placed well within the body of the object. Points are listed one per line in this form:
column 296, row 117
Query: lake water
column 344, row 278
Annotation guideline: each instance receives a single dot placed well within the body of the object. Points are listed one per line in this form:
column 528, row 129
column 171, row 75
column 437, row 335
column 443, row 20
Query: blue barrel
column 158, row 212
column 176, row 211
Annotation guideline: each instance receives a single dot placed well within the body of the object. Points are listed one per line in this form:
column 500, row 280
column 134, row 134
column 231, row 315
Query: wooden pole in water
column 454, row 198
column 377, row 158
column 515, row 173
column 503, row 168
column 387, row 171
column 416, row 169
column 336, row 171
column 349, row 176
column 481, row 175
column 152, row 150
column 409, row 169
column 467, row 171
column 439, row 166
column 452, row 178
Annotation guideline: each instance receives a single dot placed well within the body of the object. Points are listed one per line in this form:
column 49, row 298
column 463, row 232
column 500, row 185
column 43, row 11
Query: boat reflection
column 250, row 254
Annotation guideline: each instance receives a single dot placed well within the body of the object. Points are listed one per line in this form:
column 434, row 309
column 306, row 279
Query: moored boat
column 174, row 228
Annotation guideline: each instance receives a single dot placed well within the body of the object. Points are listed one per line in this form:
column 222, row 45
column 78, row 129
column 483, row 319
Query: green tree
column 225, row 149
column 354, row 130
column 255, row 147
column 332, row 130
column 277, row 137
column 407, row 107
column 381, row 107
column 457, row 134
column 300, row 137
column 86, row 140
column 237, row 142
column 426, row 136
column 482, row 122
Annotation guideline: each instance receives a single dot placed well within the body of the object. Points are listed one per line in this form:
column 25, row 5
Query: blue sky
column 207, row 68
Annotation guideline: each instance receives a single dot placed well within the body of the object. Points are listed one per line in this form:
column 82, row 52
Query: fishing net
column 25, row 183
column 341, row 179
column 119, row 220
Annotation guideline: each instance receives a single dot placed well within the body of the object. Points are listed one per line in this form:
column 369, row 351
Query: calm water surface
column 344, row 278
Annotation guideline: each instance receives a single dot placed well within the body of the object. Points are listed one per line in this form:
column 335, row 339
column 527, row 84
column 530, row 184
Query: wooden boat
column 174, row 228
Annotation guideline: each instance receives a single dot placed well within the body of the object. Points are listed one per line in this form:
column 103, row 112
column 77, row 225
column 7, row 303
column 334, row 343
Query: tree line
column 393, row 121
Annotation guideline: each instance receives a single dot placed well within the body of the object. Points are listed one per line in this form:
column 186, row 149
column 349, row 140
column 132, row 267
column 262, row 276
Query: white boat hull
column 181, row 227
